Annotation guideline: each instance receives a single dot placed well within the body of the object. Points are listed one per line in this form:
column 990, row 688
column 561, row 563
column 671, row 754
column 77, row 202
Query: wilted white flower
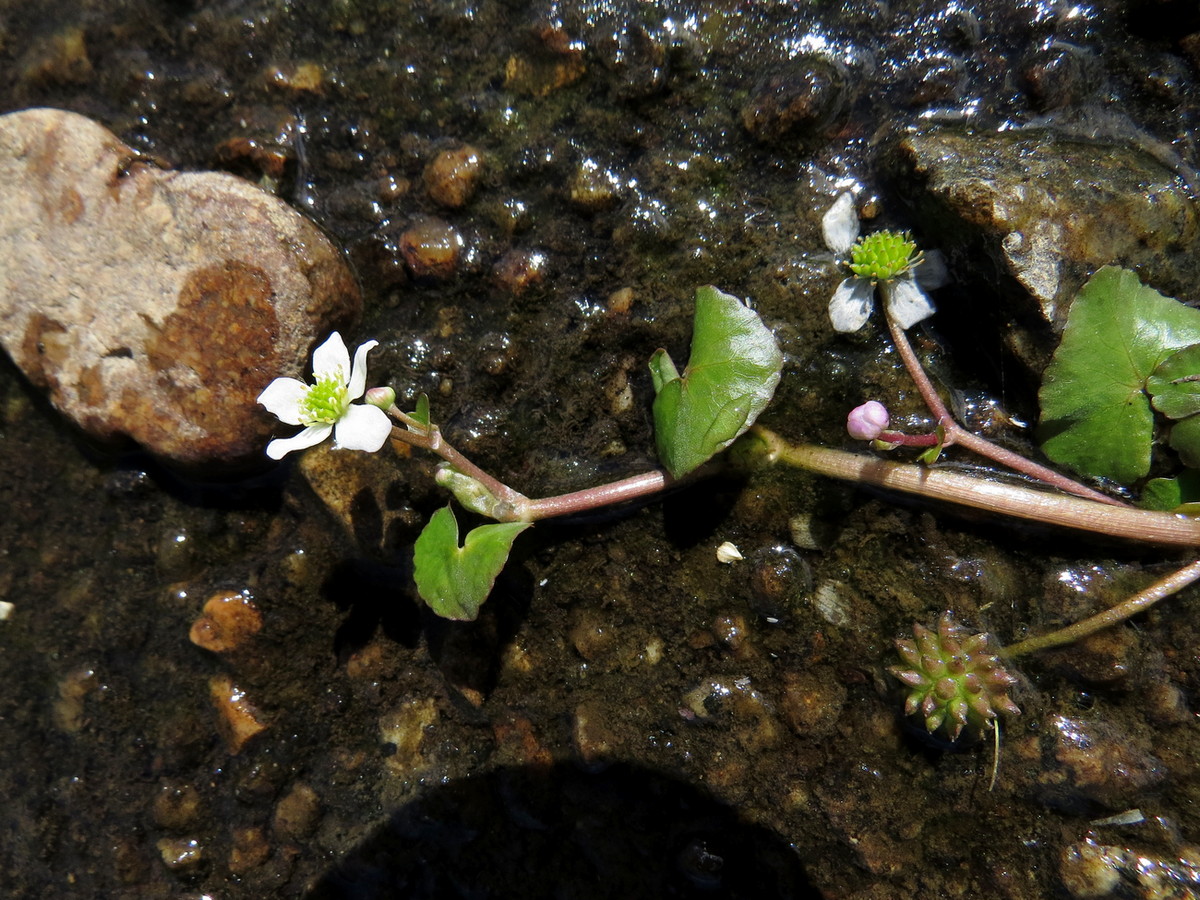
column 325, row 407
column 728, row 553
column 886, row 256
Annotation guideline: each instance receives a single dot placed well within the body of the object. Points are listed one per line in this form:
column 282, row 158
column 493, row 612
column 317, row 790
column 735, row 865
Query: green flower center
column 325, row 403
column 883, row 255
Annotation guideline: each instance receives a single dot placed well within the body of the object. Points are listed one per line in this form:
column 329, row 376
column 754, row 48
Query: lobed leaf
column 455, row 580
column 1096, row 415
column 729, row 380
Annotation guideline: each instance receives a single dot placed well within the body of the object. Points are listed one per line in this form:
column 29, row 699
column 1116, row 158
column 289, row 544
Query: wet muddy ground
column 530, row 194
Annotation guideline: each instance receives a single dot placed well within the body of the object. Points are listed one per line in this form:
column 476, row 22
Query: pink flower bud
column 383, row 397
column 867, row 422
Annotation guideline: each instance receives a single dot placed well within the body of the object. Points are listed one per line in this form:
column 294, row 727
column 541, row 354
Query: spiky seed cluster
column 953, row 682
column 883, row 255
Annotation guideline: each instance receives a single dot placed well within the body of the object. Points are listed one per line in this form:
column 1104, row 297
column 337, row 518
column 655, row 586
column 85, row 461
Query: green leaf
column 1185, row 440
column 421, row 413
column 455, row 580
column 1174, row 387
column 1096, row 417
column 1178, row 494
column 730, row 378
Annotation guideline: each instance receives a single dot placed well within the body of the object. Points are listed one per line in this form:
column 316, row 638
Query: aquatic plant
column 887, row 261
column 730, row 378
column 325, row 407
column 954, row 683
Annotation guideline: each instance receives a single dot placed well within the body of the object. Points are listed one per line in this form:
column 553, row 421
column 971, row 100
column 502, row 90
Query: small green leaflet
column 729, row 379
column 1096, row 415
column 421, row 413
column 1178, row 494
column 1175, row 385
column 455, row 580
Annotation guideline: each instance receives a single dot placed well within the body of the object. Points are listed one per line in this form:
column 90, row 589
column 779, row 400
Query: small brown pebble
column 297, row 78
column 181, row 854
column 812, row 701
column 518, row 270
column 238, row 720
column 177, row 807
column 453, row 175
column 297, row 814
column 431, row 248
column 249, row 851
column 228, row 620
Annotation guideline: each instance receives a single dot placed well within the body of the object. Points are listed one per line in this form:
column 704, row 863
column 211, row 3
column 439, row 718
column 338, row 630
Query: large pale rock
column 151, row 304
column 1048, row 209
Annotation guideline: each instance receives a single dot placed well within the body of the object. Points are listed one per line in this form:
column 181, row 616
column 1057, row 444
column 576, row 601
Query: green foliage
column 1180, row 494
column 421, row 413
column 455, row 580
column 1096, row 413
column 729, row 379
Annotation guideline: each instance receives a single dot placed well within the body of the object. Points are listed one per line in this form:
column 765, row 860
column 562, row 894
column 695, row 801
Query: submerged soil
column 530, row 194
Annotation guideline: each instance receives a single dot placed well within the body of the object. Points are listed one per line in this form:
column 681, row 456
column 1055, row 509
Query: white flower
column 851, row 304
column 324, row 408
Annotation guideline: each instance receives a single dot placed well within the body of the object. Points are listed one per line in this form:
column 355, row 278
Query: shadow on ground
column 557, row 831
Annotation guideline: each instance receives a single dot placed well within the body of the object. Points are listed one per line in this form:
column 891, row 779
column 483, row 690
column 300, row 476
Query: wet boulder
column 154, row 305
column 1027, row 215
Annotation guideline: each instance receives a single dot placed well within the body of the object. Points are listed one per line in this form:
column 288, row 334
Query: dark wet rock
column 779, row 580
column 1086, row 762
column 1058, row 75
column 812, row 701
column 298, row 813
column 177, row 807
column 1090, row 869
column 155, row 305
column 802, row 101
column 1050, row 209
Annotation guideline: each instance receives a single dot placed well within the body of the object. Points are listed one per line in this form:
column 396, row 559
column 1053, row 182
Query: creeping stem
column 992, row 496
column 515, row 506
column 1165, row 587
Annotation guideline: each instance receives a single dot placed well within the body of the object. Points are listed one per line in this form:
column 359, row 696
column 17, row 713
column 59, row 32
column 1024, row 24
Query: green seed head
column 326, row 402
column 951, row 680
column 883, row 255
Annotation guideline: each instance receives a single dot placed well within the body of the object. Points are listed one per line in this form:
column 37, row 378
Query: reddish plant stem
column 956, row 434
column 516, row 507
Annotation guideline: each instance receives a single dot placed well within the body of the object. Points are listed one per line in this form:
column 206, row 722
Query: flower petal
column 332, row 359
column 358, row 375
column 283, row 398
column 931, row 273
column 313, row 434
column 362, row 428
column 850, row 305
column 839, row 225
column 907, row 303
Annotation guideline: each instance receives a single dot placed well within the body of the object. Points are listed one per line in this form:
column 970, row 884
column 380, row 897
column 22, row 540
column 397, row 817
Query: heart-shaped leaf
column 730, row 378
column 1096, row 416
column 455, row 580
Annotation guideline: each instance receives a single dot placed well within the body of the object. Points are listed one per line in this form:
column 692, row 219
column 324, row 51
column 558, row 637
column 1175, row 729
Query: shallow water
column 628, row 716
